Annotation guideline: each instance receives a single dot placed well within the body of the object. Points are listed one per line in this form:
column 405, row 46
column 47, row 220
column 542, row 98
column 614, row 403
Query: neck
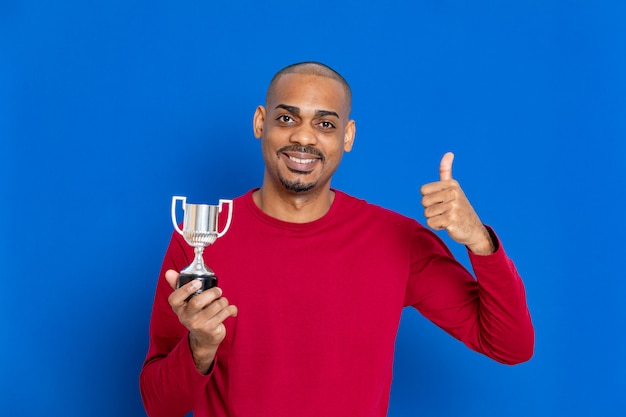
column 294, row 207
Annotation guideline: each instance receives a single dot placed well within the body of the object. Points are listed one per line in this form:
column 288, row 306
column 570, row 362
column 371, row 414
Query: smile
column 301, row 160
column 300, row 164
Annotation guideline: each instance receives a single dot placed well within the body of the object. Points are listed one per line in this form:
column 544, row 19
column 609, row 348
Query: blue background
column 107, row 109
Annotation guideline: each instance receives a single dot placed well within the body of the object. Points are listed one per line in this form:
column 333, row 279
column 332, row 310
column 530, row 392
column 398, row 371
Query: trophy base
column 208, row 281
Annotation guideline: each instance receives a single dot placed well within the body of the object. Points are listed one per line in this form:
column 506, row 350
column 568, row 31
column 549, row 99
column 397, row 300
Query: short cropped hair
column 312, row 68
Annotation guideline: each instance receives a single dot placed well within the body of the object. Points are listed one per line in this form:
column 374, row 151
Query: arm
column 506, row 332
column 184, row 337
column 490, row 315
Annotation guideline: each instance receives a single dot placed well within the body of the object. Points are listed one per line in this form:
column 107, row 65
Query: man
column 313, row 281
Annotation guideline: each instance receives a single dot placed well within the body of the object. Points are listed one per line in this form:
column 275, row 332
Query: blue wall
column 107, row 109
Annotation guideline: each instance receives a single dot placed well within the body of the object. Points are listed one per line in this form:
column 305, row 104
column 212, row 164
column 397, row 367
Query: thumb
column 445, row 167
column 172, row 278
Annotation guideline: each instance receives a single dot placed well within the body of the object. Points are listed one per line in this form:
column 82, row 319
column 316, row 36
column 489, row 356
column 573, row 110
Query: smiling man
column 304, row 129
column 313, row 281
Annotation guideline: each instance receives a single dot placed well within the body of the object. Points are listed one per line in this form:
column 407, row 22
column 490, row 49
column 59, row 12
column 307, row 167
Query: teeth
column 301, row 161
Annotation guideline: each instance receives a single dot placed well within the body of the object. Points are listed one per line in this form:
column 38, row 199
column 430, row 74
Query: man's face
column 304, row 129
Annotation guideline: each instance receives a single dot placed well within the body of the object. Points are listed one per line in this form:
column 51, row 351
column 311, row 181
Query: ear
column 258, row 122
column 348, row 138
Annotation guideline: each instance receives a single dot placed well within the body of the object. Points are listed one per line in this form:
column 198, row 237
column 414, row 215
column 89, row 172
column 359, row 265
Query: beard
column 297, row 186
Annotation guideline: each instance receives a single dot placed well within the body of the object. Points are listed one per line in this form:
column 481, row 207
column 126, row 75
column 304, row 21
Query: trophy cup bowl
column 200, row 229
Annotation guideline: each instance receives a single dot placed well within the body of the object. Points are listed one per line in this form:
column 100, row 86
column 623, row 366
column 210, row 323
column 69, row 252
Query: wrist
column 485, row 245
column 203, row 356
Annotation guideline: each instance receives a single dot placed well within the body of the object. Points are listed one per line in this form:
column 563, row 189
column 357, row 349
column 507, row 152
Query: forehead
column 308, row 91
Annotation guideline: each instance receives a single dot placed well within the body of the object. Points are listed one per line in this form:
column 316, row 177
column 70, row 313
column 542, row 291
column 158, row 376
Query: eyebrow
column 296, row 110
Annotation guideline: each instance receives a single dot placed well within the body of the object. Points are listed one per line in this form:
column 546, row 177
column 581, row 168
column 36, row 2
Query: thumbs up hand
column 447, row 207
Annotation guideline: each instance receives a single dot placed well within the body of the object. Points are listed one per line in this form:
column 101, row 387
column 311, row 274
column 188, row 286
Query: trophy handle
column 174, row 222
column 230, row 216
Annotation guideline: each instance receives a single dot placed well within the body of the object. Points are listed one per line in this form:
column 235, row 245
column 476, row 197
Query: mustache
column 302, row 149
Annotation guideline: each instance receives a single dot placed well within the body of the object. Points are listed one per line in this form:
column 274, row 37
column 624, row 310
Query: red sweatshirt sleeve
column 169, row 382
column 489, row 314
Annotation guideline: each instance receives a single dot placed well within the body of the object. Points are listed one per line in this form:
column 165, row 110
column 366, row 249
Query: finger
column 438, row 222
column 172, row 278
column 215, row 326
column 439, row 197
column 445, row 167
column 205, row 298
column 213, row 317
column 180, row 296
column 226, row 312
column 432, row 187
column 437, row 210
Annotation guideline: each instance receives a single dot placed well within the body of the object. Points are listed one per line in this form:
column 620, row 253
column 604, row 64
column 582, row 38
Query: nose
column 304, row 135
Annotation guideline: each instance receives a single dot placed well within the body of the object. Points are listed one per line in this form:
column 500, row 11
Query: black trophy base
column 208, row 281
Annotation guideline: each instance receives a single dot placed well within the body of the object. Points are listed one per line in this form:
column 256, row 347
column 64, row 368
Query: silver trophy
column 200, row 229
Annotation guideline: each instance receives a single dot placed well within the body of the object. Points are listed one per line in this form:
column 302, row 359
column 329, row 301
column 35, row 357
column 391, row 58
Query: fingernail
column 195, row 284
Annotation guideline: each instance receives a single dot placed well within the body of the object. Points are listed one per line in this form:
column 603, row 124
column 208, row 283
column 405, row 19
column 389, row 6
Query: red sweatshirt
column 319, row 307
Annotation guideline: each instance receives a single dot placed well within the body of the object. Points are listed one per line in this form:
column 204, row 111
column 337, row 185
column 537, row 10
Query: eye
column 326, row 125
column 285, row 118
